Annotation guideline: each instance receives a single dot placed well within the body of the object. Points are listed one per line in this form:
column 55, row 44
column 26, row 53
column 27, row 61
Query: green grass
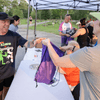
column 23, row 21
column 50, row 28
column 47, row 28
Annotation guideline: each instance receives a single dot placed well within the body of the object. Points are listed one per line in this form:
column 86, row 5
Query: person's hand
column 37, row 41
column 46, row 42
column 75, row 28
column 67, row 35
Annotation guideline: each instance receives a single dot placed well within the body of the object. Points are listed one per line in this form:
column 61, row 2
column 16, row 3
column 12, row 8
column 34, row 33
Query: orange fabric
column 72, row 75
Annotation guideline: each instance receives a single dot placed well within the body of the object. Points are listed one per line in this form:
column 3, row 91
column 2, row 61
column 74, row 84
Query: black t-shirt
column 8, row 48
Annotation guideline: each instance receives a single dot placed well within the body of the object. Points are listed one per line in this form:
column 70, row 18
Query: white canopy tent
column 93, row 5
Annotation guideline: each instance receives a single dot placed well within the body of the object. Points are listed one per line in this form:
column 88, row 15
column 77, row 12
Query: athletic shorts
column 6, row 82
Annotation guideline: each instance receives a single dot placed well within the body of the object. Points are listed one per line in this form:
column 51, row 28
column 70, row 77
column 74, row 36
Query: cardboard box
column 38, row 45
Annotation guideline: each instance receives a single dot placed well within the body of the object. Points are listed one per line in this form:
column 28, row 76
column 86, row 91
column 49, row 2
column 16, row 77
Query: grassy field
column 50, row 28
column 47, row 27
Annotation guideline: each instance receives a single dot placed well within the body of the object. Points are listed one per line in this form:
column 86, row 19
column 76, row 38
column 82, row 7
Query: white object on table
column 33, row 54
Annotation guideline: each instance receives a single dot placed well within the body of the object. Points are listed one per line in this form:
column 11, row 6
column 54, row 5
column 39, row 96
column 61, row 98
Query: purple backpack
column 47, row 69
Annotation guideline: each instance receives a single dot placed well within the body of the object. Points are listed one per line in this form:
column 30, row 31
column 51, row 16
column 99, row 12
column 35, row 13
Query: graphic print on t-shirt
column 66, row 26
column 6, row 53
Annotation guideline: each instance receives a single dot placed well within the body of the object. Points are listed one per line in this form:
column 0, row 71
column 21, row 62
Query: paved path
column 21, row 51
column 25, row 26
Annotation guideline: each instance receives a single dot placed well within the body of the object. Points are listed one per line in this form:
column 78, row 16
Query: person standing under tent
column 81, row 34
column 66, row 25
column 9, row 41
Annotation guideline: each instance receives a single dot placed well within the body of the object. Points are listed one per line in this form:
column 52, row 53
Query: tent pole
column 67, row 11
column 28, row 23
column 98, row 7
column 35, row 22
column 28, row 20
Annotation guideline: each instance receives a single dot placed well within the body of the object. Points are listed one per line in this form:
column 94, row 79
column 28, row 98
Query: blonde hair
column 73, row 43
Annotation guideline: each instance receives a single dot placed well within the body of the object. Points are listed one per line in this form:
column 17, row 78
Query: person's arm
column 81, row 31
column 31, row 44
column 58, row 61
column 61, row 71
column 62, row 34
column 69, row 47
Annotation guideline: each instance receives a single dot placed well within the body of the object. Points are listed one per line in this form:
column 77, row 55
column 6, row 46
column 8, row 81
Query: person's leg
column 1, row 95
column 7, row 83
column 76, row 92
column 5, row 90
column 1, row 89
column 63, row 41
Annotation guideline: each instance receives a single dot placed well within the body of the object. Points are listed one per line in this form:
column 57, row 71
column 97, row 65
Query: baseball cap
column 4, row 16
column 78, row 23
column 95, row 14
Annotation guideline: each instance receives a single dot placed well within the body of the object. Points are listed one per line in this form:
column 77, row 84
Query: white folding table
column 23, row 86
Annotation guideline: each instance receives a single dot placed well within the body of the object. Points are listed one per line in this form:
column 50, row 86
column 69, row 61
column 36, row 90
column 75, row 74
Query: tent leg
column 28, row 23
column 35, row 23
column 67, row 11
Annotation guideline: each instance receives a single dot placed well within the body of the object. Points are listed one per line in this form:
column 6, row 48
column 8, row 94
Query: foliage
column 23, row 6
column 78, row 14
column 18, row 12
column 5, row 3
column 33, row 14
column 45, row 14
column 1, row 10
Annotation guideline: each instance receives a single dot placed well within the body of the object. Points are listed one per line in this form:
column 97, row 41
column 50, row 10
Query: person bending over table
column 87, row 59
column 71, row 74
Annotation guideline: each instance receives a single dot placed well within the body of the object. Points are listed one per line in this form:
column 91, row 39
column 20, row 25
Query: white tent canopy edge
column 93, row 5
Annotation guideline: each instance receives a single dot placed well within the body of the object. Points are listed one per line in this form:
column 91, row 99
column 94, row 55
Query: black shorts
column 6, row 82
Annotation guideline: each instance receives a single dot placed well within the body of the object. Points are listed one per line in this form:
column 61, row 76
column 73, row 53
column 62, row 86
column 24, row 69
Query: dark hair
column 82, row 21
column 67, row 15
column 15, row 17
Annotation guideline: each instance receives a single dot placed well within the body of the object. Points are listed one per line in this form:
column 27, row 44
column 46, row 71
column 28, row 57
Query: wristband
column 73, row 48
column 28, row 44
column 33, row 42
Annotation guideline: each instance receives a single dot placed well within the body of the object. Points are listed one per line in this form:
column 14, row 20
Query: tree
column 1, row 10
column 78, row 14
column 24, row 7
column 4, row 5
column 55, row 14
column 45, row 14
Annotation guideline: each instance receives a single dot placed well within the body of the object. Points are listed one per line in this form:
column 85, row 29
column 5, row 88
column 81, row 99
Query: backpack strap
column 56, row 78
